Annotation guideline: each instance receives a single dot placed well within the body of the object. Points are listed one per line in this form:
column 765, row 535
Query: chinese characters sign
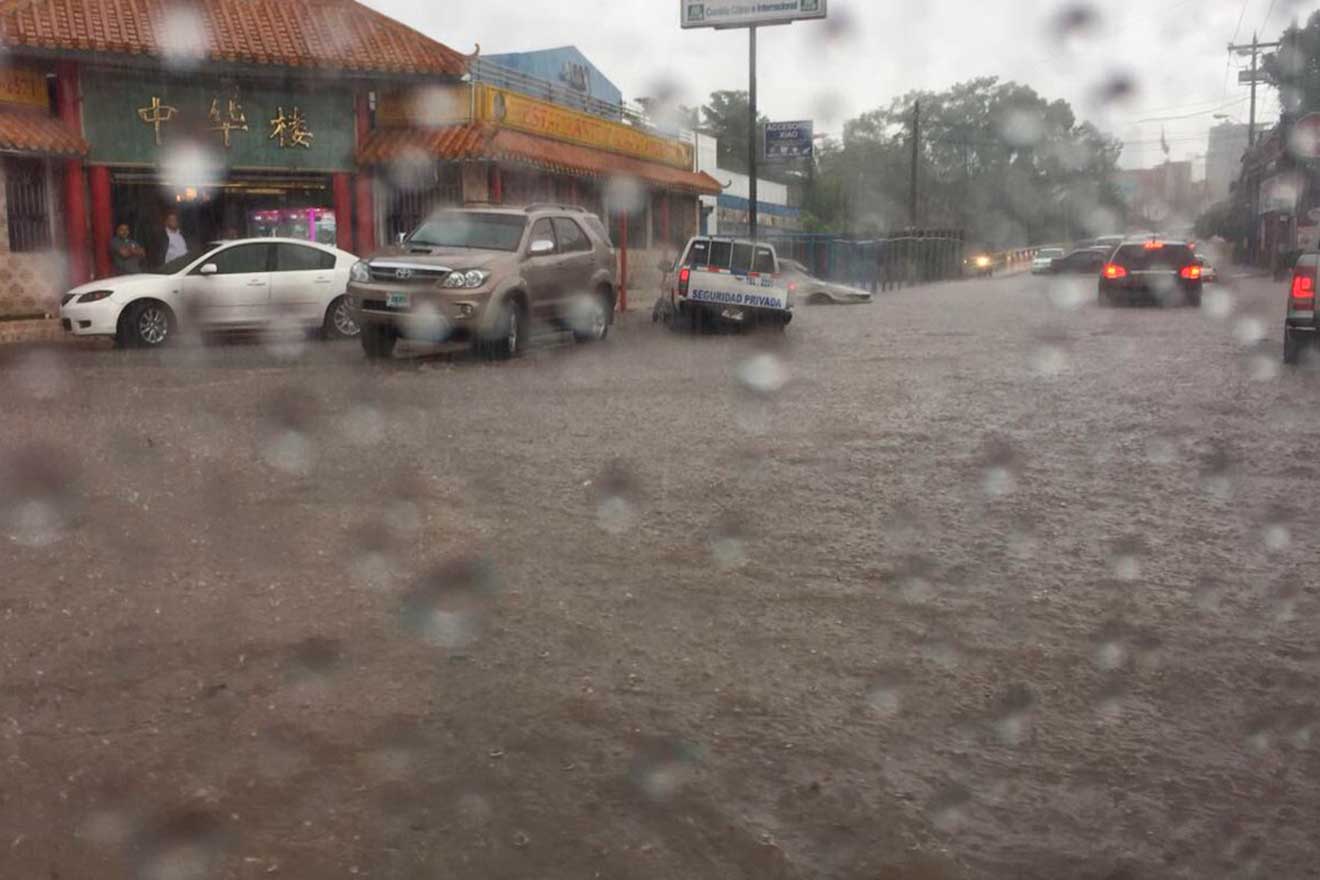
column 137, row 119
column 291, row 130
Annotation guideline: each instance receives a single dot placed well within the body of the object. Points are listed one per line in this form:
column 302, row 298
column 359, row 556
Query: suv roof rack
column 550, row 206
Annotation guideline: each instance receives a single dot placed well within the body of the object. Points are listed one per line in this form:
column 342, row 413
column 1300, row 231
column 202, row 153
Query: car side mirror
column 401, row 238
column 209, row 269
column 541, row 247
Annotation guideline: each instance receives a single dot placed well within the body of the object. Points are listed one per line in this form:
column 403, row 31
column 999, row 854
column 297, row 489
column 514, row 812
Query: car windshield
column 660, row 440
column 1144, row 256
column 465, row 229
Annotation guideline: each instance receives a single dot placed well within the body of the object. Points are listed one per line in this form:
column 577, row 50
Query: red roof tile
column 22, row 131
column 325, row 34
column 474, row 141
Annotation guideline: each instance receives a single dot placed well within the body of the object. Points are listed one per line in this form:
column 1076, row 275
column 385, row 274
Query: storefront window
column 27, row 204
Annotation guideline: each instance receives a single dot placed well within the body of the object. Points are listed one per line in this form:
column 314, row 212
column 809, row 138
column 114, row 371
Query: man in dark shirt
column 125, row 253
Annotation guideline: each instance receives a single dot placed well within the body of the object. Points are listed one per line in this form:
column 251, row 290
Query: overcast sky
column 1173, row 51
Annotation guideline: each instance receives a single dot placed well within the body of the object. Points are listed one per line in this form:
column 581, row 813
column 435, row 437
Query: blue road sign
column 786, row 141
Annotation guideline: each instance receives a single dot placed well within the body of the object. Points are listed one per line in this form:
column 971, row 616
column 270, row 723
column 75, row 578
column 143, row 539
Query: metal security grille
column 409, row 207
column 27, row 204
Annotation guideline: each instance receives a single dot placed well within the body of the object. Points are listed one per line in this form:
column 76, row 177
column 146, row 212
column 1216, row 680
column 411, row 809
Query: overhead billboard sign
column 748, row 13
column 786, row 141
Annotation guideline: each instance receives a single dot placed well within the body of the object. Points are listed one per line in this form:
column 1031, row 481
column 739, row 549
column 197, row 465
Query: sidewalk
column 31, row 330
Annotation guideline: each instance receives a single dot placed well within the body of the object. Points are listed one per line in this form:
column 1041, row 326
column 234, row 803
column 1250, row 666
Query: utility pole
column 1253, row 79
column 916, row 156
column 751, row 134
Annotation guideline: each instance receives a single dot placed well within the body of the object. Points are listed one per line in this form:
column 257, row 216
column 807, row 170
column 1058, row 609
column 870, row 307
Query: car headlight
column 360, row 271
column 465, row 280
column 94, row 296
column 982, row 262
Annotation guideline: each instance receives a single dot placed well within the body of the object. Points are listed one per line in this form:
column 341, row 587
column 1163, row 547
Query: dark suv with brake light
column 1299, row 327
column 1162, row 272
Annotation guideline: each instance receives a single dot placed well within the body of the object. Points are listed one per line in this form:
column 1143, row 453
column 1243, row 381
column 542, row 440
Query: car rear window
column 1140, row 256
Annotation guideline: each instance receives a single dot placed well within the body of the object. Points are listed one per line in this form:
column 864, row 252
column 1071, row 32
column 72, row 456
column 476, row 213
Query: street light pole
column 751, row 132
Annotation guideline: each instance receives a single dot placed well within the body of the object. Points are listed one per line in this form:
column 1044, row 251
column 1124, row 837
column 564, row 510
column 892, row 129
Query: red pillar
column 102, row 220
column 496, row 185
column 343, row 198
column 68, row 99
column 623, row 264
column 365, row 215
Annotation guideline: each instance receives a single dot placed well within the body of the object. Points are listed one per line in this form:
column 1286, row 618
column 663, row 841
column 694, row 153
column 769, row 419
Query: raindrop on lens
column 184, row 847
column 662, row 769
column 289, row 451
column 1049, row 361
column 1013, row 717
column 363, row 425
column 1218, row 304
column 1248, row 331
column 763, row 373
column 616, row 499
column 41, row 375
column 948, row 808
column 448, row 607
column 886, row 694
column 1068, row 295
column 1262, row 368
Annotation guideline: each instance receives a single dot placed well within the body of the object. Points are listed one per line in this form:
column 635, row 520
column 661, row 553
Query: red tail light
column 1191, row 273
column 684, row 276
column 1303, row 290
column 1113, row 271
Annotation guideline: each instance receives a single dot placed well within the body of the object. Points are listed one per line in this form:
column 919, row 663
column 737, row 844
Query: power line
column 1268, row 13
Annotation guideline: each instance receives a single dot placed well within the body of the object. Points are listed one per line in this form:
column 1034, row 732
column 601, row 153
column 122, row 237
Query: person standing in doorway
column 125, row 253
column 169, row 243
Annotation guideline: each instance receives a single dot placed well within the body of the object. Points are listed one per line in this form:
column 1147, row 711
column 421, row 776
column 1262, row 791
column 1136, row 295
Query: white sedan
column 815, row 291
column 232, row 285
column 1043, row 262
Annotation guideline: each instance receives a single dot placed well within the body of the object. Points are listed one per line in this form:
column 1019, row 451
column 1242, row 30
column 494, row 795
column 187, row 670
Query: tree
column 725, row 118
column 1295, row 69
column 667, row 114
column 997, row 160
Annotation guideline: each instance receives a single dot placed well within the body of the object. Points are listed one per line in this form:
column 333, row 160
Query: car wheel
column 595, row 325
column 339, row 322
column 146, row 324
column 510, row 332
column 1292, row 347
column 820, row 299
column 378, row 342
column 1105, row 300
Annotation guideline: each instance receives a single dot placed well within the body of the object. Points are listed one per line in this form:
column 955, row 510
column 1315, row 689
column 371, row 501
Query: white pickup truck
column 725, row 281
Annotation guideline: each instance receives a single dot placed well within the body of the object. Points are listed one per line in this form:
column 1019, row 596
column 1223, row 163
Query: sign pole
column 751, row 133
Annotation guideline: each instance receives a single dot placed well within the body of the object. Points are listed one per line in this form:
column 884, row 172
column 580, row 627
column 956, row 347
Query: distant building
column 1223, row 158
column 1161, row 195
column 575, row 81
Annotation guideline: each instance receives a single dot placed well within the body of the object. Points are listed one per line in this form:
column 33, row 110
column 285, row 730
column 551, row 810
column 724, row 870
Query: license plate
column 397, row 301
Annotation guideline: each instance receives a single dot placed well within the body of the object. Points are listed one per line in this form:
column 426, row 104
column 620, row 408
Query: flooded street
column 981, row 580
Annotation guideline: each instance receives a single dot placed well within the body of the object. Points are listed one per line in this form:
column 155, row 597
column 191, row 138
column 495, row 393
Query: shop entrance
column 244, row 206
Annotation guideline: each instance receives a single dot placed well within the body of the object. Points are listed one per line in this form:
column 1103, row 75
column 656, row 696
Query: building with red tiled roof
column 320, row 119
column 242, row 115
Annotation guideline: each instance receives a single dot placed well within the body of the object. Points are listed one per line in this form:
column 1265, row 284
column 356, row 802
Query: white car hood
column 121, row 285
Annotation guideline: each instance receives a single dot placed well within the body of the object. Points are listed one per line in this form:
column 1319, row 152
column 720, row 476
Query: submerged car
column 817, row 291
column 1041, row 263
column 238, row 285
column 481, row 276
column 1083, row 261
